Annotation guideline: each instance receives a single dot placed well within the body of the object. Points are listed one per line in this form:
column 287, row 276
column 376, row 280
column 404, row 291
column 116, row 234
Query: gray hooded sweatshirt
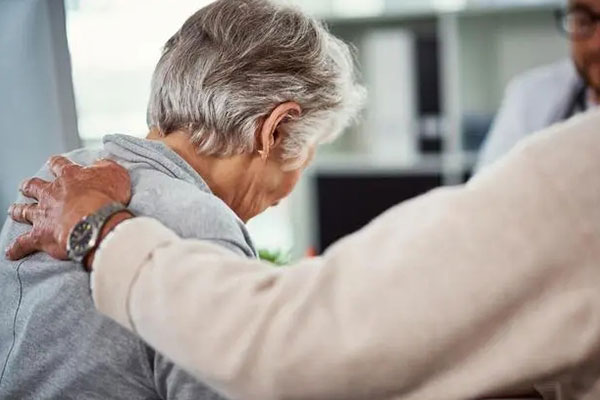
column 53, row 343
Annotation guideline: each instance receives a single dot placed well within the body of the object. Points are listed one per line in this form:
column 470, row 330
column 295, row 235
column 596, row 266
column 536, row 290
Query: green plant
column 277, row 258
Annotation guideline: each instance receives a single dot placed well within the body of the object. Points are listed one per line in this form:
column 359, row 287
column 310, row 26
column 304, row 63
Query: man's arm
column 453, row 295
column 457, row 294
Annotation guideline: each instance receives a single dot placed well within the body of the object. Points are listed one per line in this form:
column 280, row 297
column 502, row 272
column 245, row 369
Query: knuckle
column 19, row 212
column 33, row 213
column 25, row 185
column 73, row 169
column 57, row 184
column 16, row 211
column 67, row 169
column 54, row 161
column 35, row 181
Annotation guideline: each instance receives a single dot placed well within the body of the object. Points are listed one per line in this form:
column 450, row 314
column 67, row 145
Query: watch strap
column 97, row 220
column 100, row 217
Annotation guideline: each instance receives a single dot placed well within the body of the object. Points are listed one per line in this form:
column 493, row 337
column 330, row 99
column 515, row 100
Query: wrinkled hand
column 75, row 193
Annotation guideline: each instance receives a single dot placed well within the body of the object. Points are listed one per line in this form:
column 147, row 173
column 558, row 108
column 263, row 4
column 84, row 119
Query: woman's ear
column 270, row 135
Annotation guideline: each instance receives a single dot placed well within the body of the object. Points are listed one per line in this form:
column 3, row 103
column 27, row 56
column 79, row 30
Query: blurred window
column 115, row 45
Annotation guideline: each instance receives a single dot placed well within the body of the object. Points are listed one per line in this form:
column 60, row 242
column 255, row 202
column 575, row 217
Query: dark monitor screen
column 348, row 202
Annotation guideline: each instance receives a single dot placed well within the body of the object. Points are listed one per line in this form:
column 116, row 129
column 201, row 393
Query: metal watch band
column 101, row 216
column 96, row 220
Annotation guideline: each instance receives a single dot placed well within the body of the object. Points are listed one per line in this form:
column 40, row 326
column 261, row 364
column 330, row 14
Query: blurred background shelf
column 465, row 53
column 436, row 71
column 336, row 10
column 399, row 14
column 366, row 164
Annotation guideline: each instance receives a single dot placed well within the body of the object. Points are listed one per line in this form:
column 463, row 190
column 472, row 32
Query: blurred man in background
column 553, row 93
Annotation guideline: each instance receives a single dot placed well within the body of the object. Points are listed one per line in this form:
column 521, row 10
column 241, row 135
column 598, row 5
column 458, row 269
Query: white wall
column 37, row 110
column 497, row 47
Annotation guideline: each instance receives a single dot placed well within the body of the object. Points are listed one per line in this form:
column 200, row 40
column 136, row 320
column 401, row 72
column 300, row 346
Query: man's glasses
column 578, row 24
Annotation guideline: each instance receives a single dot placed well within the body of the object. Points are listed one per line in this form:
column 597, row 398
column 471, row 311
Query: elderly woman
column 241, row 97
column 244, row 92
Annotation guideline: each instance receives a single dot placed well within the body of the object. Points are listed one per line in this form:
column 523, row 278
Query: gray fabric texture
column 53, row 343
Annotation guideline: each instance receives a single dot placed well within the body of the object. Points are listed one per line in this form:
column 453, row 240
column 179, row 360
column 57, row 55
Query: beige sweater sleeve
column 456, row 294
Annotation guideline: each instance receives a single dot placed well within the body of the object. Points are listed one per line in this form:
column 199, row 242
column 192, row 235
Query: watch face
column 82, row 238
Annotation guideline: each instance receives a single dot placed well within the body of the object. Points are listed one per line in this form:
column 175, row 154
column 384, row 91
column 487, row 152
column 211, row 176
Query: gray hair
column 234, row 61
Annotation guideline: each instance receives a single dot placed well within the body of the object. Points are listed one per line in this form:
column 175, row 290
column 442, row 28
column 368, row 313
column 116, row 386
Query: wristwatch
column 83, row 237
